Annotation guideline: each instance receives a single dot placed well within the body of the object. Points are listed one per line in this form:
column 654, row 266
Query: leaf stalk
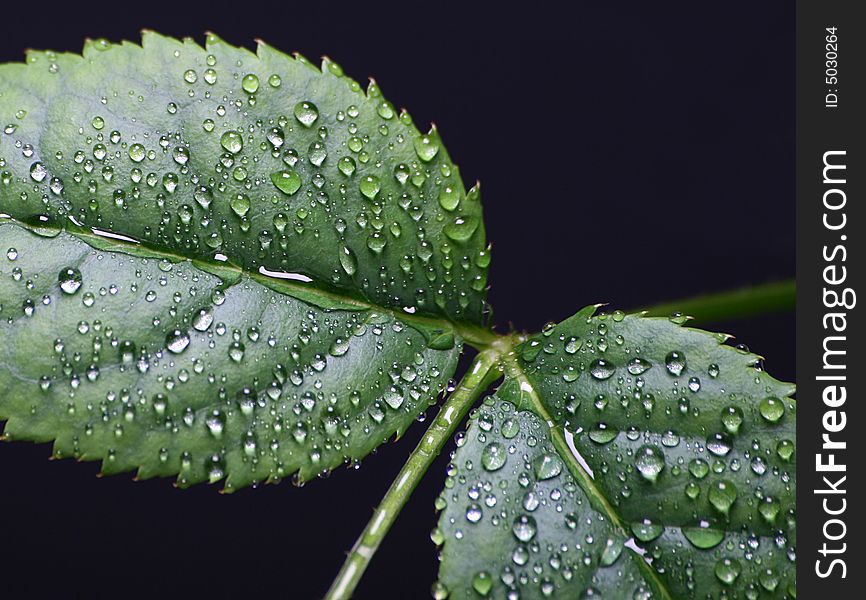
column 483, row 371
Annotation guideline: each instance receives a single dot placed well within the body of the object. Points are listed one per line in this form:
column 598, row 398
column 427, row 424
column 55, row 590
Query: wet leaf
column 193, row 280
column 681, row 442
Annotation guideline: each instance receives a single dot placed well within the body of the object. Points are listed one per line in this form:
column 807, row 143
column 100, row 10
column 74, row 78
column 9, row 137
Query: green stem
column 481, row 374
column 777, row 296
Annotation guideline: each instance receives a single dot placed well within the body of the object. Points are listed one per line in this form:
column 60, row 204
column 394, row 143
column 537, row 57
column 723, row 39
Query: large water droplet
column 202, row 319
column 232, row 141
column 348, row 260
column 493, row 456
column 38, row 172
column 546, row 466
column 732, row 419
column 250, row 83
column 722, row 496
column 601, row 369
column 426, row 147
column 719, row 444
column 702, row 537
column 370, row 186
column 524, row 528
column 649, row 462
column 69, row 280
column 772, row 409
column 637, row 366
column 727, row 570
column 482, row 583
column 288, row 181
column 461, row 228
column 306, row 113
column 177, row 341
column 675, row 362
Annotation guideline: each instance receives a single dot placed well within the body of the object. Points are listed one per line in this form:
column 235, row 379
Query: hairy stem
column 777, row 296
column 482, row 373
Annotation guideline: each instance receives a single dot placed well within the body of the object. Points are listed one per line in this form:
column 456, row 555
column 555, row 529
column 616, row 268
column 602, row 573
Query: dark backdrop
column 630, row 156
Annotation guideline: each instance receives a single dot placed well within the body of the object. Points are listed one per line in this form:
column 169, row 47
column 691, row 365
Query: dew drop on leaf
column 306, row 113
column 69, row 280
column 232, row 141
column 493, row 456
column 675, row 362
column 649, row 462
column 771, row 409
column 288, row 181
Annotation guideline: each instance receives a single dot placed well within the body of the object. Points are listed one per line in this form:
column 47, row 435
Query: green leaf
column 515, row 518
column 220, row 264
column 259, row 157
column 683, row 443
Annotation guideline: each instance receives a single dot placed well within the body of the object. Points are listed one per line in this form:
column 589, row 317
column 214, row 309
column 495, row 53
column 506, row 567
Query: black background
column 628, row 155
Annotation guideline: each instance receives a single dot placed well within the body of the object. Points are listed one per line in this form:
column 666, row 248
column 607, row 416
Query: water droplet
column 646, row 530
column 675, row 362
column 772, row 409
column 769, row 509
column 69, row 280
column 250, row 83
column 240, row 204
column 461, row 228
column 203, row 319
column 769, row 580
column 727, row 570
column 638, row 366
column 236, row 351
column 699, row 468
column 348, row 260
column 785, row 449
column 177, row 341
column 346, row 166
column 601, row 369
column 732, row 419
column 572, row 345
column 426, row 147
column 493, row 456
column 474, row 513
column 510, row 428
column 288, row 182
column 482, row 583
column 370, row 186
column 547, row 466
column 719, row 444
column 612, row 550
column 722, row 496
column 306, row 113
column 232, row 141
column 137, row 152
column 602, row 433
column 524, row 528
column 38, row 172
column 215, row 423
column 649, row 462
column 702, row 537
column 449, row 198
column 317, row 153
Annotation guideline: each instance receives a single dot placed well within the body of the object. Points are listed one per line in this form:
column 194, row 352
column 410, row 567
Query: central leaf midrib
column 583, row 478
column 477, row 336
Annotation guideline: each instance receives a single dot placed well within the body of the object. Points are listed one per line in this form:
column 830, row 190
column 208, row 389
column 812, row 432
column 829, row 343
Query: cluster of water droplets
column 692, row 443
column 162, row 367
column 234, row 156
column 511, row 506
